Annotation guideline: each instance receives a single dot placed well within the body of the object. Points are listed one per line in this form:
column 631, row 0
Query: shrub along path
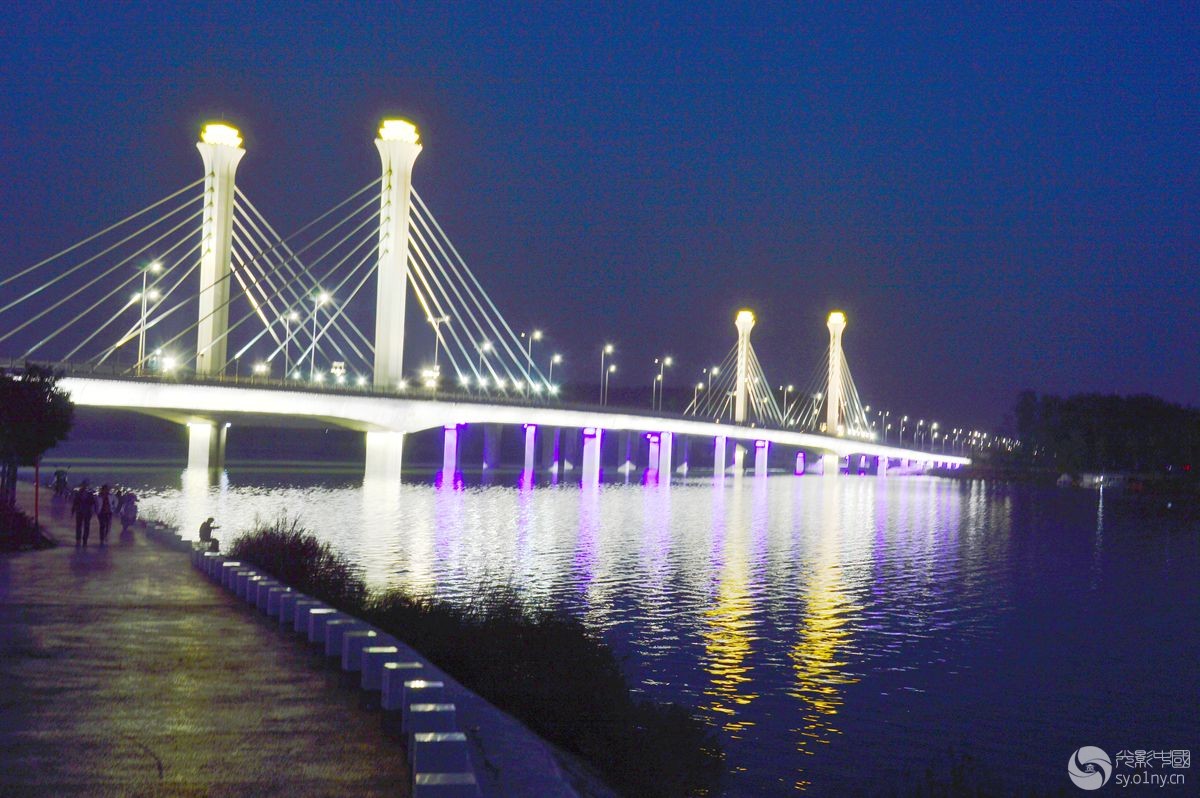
column 125, row 672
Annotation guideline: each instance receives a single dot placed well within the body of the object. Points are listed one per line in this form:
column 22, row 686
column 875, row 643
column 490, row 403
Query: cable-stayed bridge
column 195, row 309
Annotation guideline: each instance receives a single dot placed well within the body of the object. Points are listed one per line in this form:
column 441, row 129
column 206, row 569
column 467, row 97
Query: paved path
column 124, row 672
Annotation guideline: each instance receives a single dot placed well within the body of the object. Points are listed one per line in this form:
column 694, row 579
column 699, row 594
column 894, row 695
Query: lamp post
column 484, row 346
column 319, row 299
column 437, row 322
column 712, row 371
column 785, row 391
column 605, row 350
column 536, row 335
column 556, row 358
column 662, row 362
column 903, row 421
column 696, row 398
column 604, row 389
column 155, row 267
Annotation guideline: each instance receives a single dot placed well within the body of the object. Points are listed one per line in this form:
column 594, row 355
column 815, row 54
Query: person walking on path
column 128, row 511
column 83, row 506
column 104, row 512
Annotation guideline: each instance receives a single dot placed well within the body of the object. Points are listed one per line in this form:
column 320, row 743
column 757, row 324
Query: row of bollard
column 438, row 756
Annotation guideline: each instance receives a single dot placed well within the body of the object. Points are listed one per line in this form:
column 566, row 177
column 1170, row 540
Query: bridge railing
column 417, row 392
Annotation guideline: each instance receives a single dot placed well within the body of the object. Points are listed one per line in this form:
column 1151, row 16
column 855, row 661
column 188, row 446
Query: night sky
column 999, row 197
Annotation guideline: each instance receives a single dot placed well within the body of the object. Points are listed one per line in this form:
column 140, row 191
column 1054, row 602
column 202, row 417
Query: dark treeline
column 1095, row 432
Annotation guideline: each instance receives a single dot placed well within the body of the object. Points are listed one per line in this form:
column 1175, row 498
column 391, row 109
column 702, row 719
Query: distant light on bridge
column 318, row 376
column 402, row 385
column 360, row 381
column 399, row 130
column 224, row 135
column 261, row 368
column 168, row 364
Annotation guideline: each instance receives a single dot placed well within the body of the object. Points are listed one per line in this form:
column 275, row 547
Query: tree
column 35, row 414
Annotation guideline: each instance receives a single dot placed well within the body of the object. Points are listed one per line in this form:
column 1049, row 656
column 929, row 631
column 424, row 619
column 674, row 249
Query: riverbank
column 128, row 673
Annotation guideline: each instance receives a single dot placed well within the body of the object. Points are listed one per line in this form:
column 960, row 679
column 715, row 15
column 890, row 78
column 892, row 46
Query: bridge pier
column 206, row 445
column 592, row 437
column 761, row 453
column 719, row 455
column 450, row 437
column 666, row 443
column 831, row 465
column 530, row 447
column 799, row 469
column 385, row 454
column 491, row 446
column 652, row 457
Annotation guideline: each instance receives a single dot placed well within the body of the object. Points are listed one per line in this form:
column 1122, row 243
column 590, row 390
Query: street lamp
column 711, row 372
column 319, row 299
column 155, row 267
column 696, row 398
column 605, row 350
column 903, row 421
column 604, row 390
column 662, row 362
column 536, row 335
column 484, row 346
column 785, row 392
column 437, row 322
column 556, row 358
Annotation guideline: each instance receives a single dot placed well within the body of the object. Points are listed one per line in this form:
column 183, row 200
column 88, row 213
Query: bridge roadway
column 204, row 404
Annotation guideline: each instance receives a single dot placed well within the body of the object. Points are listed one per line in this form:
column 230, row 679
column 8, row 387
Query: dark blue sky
column 999, row 197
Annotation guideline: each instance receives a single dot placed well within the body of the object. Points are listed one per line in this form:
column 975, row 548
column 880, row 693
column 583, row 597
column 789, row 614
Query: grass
column 537, row 664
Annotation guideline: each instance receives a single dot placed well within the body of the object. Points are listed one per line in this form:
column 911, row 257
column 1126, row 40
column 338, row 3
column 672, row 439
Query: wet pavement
column 124, row 672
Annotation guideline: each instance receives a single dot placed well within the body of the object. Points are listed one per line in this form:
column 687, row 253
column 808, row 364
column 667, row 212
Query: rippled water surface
column 845, row 635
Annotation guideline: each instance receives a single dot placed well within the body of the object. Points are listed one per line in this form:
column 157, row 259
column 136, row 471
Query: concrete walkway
column 124, row 672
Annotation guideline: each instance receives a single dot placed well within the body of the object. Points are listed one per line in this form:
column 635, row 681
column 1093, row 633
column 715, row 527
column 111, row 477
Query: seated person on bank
column 206, row 530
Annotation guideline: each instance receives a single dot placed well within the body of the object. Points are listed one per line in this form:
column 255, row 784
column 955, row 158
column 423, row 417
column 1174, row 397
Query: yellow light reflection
column 822, row 636
column 728, row 625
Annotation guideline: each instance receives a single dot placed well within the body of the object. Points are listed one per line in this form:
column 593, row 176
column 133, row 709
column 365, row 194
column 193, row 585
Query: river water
column 844, row 635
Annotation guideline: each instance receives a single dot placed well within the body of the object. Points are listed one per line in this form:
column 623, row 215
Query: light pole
column 556, row 358
column 605, row 350
column 662, row 362
column 933, row 432
column 712, row 371
column 437, row 322
column 484, row 346
column 319, row 299
column 903, row 421
column 696, row 398
column 604, row 390
column 536, row 335
column 785, row 392
column 155, row 267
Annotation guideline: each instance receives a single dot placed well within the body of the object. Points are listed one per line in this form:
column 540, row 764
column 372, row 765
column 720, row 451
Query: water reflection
column 729, row 624
column 823, row 635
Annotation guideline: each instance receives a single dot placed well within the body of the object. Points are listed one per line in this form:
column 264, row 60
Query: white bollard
column 273, row 597
column 373, row 658
column 440, row 752
column 424, row 718
column 335, row 629
column 392, row 681
column 445, row 785
column 210, row 561
column 300, row 619
column 237, row 582
column 227, row 568
column 419, row 691
column 252, row 586
column 262, row 592
column 317, row 619
column 352, row 645
column 287, row 607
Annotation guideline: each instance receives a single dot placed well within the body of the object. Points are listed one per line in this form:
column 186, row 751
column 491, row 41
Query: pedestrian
column 206, row 530
column 83, row 506
column 129, row 511
column 105, row 507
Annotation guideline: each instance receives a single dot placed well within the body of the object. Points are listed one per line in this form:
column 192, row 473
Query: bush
column 291, row 554
column 539, row 665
